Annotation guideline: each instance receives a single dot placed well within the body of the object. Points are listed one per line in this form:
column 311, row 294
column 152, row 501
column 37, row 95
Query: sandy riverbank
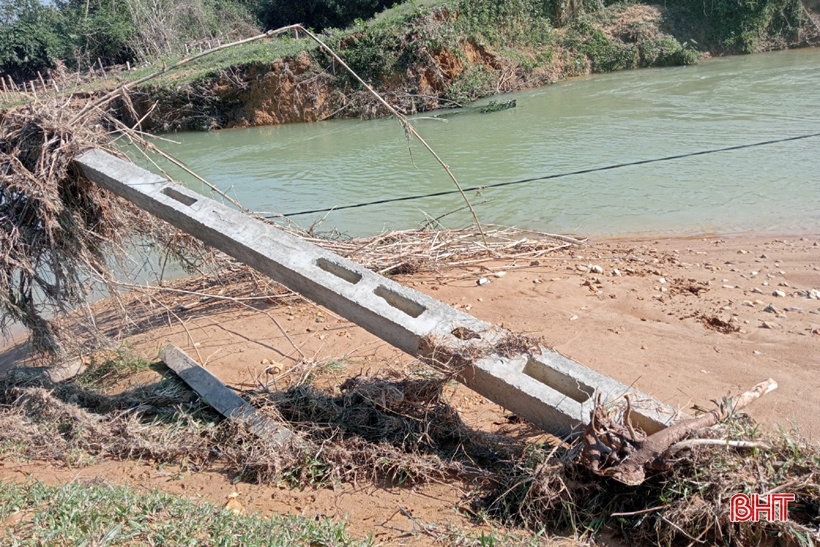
column 685, row 321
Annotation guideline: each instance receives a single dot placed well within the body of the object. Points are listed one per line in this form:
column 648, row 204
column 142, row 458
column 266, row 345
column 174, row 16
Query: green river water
column 578, row 124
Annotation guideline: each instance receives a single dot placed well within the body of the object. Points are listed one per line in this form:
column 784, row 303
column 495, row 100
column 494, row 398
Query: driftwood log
column 623, row 453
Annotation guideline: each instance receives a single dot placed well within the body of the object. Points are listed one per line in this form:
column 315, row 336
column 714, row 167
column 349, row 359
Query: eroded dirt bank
column 447, row 57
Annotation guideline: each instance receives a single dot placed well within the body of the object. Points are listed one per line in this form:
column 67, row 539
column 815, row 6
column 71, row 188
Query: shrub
column 319, row 14
column 29, row 38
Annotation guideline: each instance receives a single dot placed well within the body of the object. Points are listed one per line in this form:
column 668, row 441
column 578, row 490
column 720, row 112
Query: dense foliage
column 34, row 35
column 30, row 38
column 319, row 14
column 79, row 33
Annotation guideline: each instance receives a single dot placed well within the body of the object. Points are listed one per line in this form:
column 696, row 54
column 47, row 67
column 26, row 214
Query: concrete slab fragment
column 221, row 398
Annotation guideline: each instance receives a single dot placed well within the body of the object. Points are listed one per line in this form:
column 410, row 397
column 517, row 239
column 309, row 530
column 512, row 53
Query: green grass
column 77, row 514
column 110, row 371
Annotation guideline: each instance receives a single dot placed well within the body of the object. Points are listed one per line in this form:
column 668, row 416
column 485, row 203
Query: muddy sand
column 686, row 320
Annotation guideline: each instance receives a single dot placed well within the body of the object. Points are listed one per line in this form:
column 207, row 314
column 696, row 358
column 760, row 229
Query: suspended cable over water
column 549, row 177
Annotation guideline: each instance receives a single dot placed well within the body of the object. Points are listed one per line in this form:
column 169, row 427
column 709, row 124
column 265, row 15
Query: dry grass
column 58, row 227
column 686, row 503
column 400, row 427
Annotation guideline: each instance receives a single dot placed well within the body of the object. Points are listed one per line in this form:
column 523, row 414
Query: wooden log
column 42, row 81
column 225, row 401
column 33, row 91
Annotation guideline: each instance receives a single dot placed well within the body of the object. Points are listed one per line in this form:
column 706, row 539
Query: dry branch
column 622, row 453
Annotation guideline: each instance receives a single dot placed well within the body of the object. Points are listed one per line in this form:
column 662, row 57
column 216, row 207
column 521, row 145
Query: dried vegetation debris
column 400, row 426
column 59, row 228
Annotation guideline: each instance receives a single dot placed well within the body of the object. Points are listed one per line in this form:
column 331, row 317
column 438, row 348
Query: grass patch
column 77, row 514
column 109, row 368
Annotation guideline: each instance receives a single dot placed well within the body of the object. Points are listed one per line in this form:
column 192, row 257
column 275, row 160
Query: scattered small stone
column 758, row 302
column 662, row 280
column 727, row 308
column 482, row 281
column 728, row 286
column 481, row 300
column 770, row 309
column 757, row 291
column 765, row 283
column 749, row 303
column 644, row 347
column 814, row 294
column 782, row 284
column 763, row 256
column 793, row 309
column 754, row 273
column 769, row 325
column 781, row 272
column 596, row 269
column 742, row 252
column 779, row 294
column 616, row 272
column 573, row 318
column 264, row 362
column 320, row 319
column 816, row 331
column 756, row 352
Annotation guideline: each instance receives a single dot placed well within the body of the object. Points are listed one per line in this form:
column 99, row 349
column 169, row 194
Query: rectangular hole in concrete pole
column 339, row 271
column 179, row 196
column 648, row 425
column 560, row 382
column 401, row 303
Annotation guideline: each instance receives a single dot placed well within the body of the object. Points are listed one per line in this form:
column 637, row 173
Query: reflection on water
column 575, row 125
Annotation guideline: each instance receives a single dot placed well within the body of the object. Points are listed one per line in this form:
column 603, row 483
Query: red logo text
column 773, row 507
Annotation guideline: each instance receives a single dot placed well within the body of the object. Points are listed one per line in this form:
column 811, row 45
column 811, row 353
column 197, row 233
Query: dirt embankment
column 439, row 60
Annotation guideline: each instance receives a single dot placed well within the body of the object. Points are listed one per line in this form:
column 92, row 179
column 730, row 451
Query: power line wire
column 548, row 177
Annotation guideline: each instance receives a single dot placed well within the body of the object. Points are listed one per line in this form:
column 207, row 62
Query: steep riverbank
column 429, row 55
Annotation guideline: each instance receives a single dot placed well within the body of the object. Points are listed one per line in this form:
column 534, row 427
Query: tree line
column 37, row 35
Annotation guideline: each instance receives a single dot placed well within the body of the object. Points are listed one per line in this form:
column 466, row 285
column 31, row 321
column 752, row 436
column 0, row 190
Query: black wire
column 548, row 177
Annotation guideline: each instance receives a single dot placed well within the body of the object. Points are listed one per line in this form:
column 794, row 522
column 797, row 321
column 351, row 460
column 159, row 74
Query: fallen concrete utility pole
column 544, row 387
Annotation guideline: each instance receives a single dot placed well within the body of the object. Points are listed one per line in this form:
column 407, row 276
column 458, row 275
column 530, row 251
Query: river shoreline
column 660, row 322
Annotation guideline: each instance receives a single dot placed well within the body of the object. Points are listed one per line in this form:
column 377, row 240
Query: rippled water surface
column 574, row 125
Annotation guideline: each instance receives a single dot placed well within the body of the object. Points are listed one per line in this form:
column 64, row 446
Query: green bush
column 318, row 14
column 666, row 51
column 99, row 29
column 737, row 26
column 607, row 55
column 474, row 82
column 30, row 38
